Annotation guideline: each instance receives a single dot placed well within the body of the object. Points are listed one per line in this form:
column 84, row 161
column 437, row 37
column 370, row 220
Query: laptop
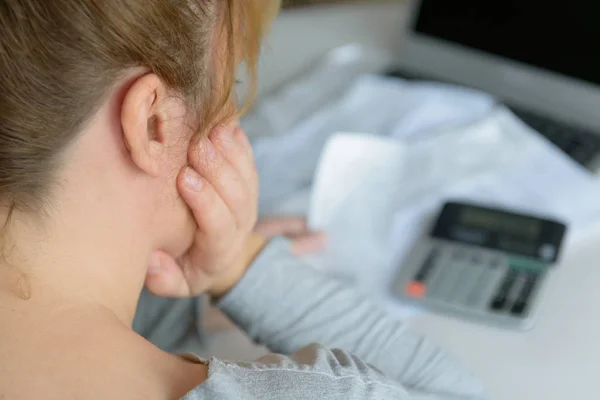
column 530, row 54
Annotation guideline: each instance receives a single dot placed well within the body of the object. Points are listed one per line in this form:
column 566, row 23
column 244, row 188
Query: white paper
column 364, row 180
column 287, row 160
column 377, row 196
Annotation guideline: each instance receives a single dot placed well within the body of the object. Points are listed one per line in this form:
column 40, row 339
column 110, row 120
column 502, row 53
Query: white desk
column 560, row 358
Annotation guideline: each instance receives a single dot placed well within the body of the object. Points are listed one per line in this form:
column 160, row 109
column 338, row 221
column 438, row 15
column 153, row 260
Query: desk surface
column 560, row 358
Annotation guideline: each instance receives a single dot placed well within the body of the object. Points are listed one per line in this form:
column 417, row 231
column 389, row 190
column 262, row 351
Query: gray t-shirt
column 286, row 305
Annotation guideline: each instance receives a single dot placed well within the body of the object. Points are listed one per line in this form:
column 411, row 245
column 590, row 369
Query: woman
column 116, row 170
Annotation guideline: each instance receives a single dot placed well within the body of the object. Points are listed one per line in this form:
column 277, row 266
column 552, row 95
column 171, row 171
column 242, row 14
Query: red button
column 415, row 289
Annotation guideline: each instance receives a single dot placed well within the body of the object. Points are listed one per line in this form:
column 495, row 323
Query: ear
column 142, row 124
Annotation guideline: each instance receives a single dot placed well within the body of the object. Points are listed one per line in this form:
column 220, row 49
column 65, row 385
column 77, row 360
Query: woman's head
column 101, row 97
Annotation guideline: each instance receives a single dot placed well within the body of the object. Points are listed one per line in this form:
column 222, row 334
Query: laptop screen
column 552, row 35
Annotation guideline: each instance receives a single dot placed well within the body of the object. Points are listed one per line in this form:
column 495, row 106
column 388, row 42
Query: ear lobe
column 140, row 121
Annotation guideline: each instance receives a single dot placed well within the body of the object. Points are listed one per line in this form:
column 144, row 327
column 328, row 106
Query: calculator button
column 516, row 288
column 547, row 252
column 462, row 284
column 458, row 255
column 415, row 289
column 471, row 280
column 476, row 258
column 485, row 287
column 522, row 302
column 445, row 283
column 438, row 277
column 495, row 262
column 475, row 297
column 453, row 286
column 427, row 267
column 499, row 301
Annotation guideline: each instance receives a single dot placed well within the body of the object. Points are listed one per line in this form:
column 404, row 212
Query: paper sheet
column 363, row 181
column 377, row 196
column 287, row 161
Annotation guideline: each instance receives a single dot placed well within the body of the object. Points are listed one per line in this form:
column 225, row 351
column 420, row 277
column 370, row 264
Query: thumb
column 165, row 276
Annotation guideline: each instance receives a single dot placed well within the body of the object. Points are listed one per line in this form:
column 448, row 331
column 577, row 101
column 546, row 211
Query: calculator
column 484, row 264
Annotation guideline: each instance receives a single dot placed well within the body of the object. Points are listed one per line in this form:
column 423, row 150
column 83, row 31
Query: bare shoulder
column 95, row 362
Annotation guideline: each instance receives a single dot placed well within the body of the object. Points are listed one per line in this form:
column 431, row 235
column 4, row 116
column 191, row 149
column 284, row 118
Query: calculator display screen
column 496, row 229
column 513, row 225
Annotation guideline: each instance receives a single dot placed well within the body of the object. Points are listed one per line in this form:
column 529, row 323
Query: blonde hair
column 60, row 58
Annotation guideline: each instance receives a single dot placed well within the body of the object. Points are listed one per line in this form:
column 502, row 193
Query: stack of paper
column 287, row 160
column 377, row 196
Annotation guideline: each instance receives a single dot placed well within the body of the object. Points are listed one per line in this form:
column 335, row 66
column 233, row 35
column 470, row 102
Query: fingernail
column 154, row 266
column 192, row 180
column 224, row 135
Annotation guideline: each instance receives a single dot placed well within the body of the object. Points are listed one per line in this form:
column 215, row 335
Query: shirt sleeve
column 286, row 305
column 313, row 372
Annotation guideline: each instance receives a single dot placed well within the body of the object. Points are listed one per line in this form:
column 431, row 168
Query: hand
column 221, row 188
column 304, row 242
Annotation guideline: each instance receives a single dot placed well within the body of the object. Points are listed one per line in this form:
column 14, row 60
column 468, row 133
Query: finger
column 290, row 226
column 217, row 229
column 165, row 277
column 228, row 183
column 235, row 151
column 242, row 139
column 309, row 244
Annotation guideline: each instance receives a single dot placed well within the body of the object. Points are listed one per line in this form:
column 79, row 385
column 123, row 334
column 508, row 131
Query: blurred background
column 297, row 3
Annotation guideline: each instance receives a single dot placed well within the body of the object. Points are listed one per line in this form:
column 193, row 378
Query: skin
column 127, row 211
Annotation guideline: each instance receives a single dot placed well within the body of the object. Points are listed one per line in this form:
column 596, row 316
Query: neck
column 74, row 260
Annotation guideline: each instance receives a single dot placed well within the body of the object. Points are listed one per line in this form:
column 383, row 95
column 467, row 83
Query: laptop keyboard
column 581, row 145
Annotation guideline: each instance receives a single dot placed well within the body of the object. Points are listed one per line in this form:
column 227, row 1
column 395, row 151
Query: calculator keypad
column 472, row 279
